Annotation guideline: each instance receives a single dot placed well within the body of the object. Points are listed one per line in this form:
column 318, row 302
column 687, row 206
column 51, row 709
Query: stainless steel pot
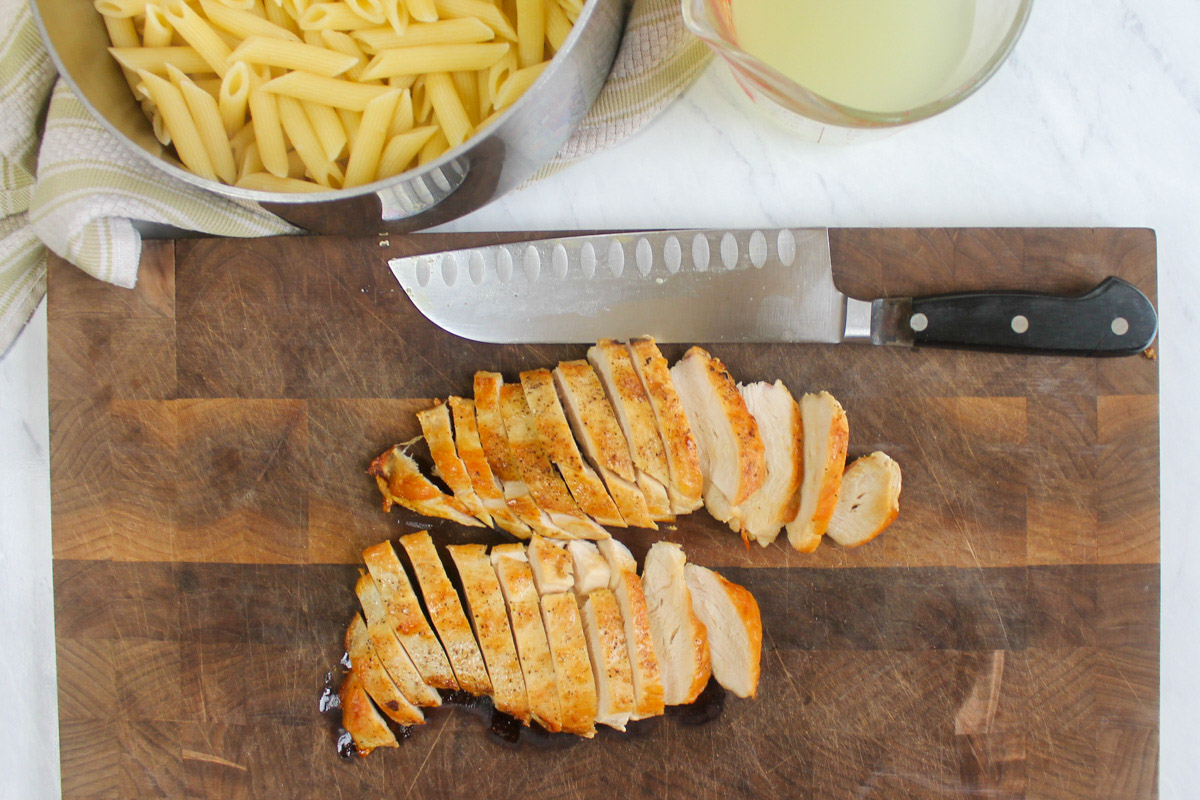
column 461, row 181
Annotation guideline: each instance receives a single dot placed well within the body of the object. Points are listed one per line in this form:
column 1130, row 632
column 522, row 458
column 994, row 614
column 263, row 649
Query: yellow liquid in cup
column 874, row 55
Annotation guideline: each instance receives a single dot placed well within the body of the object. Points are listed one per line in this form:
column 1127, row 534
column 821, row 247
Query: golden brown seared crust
column 447, row 614
column 778, row 500
column 605, row 631
column 401, row 482
column 405, row 617
column 529, row 633
column 572, row 667
column 680, row 638
column 627, row 587
column 486, row 604
column 683, row 461
column 551, row 564
column 360, row 719
column 487, row 487
column 391, row 653
column 748, row 611
column 805, row 535
column 752, row 464
column 493, row 437
column 435, row 425
column 533, row 461
column 585, row 485
column 635, row 415
column 375, row 679
column 734, row 625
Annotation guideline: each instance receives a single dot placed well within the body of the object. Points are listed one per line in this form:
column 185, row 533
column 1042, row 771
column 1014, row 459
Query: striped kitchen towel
column 74, row 189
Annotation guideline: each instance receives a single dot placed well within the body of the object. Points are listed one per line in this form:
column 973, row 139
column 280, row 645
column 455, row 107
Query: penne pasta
column 448, row 107
column 329, row 129
column 498, row 74
column 192, row 28
column 401, row 81
column 263, row 50
column 121, row 9
column 482, row 10
column 156, row 30
column 558, row 27
column 332, row 17
column 156, row 59
column 531, row 31
column 422, row 10
column 446, row 31
column 296, row 8
column 233, row 97
column 396, row 12
column 268, row 131
column 157, row 124
column 341, row 42
column 468, row 91
column 207, row 118
column 240, row 142
column 210, row 85
column 402, row 120
column 436, row 145
column 244, row 24
column 401, row 149
column 370, row 10
column 266, row 182
column 296, row 168
column 325, row 91
column 178, row 120
column 488, row 120
column 483, row 93
column 368, row 143
column 515, row 85
column 277, row 15
column 302, row 136
column 350, row 121
column 434, row 58
column 250, row 161
column 238, row 5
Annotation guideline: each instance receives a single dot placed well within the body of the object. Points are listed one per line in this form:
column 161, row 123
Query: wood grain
column 210, row 433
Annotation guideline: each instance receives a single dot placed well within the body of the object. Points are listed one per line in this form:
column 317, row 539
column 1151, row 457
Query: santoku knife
column 741, row 286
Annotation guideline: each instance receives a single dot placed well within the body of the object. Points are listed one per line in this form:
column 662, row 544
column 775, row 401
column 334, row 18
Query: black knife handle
column 1114, row 319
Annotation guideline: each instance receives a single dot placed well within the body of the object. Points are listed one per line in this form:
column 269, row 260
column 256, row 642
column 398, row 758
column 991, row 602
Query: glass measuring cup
column 996, row 27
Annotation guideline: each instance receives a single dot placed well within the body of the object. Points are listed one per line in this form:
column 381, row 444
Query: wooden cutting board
column 210, row 433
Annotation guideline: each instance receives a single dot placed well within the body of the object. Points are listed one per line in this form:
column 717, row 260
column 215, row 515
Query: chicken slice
column 680, row 638
column 533, row 649
column 487, row 486
column 627, row 588
column 547, row 488
column 826, row 437
column 586, row 487
column 360, row 718
column 868, row 500
column 435, row 425
column 763, row 515
column 572, row 666
column 401, row 482
column 590, row 570
column 494, row 439
column 485, row 601
column 406, row 618
column 375, row 679
column 391, row 653
column 605, row 634
column 551, row 565
column 686, row 487
column 598, row 432
column 446, row 611
column 628, row 399
column 732, row 455
column 730, row 615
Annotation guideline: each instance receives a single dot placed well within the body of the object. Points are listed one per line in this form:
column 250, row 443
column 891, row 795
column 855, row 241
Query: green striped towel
column 74, row 189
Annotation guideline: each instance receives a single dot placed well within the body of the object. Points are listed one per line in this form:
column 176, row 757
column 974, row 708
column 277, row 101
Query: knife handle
column 1113, row 319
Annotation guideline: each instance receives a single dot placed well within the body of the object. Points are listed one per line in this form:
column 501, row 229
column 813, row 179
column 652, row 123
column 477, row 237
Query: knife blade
column 740, row 286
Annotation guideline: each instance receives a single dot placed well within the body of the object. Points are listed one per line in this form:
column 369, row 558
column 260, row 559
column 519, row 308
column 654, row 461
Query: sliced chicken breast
column 732, row 455
column 375, row 679
column 401, row 483
column 533, row 648
column 686, row 486
column 361, row 719
column 605, row 632
column 447, row 614
column 585, row 485
column 680, row 638
column 391, row 653
column 572, row 665
column 533, row 461
column 551, row 565
column 439, row 435
column 777, row 413
column 406, row 618
column 627, row 588
column 826, row 437
column 485, row 601
column 493, row 436
column 868, row 500
column 599, row 434
column 631, row 405
column 487, row 486
column 590, row 569
column 731, row 617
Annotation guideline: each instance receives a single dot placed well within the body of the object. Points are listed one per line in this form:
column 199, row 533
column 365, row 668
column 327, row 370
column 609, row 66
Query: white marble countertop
column 1095, row 120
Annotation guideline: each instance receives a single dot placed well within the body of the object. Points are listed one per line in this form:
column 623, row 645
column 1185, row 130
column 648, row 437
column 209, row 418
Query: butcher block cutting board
column 210, row 434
